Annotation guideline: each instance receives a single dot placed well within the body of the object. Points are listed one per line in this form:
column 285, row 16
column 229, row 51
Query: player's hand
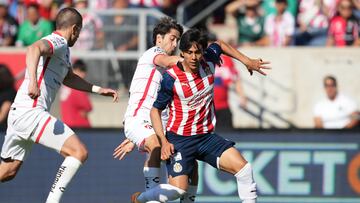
column 257, row 65
column 167, row 149
column 109, row 92
column 124, row 148
column 34, row 91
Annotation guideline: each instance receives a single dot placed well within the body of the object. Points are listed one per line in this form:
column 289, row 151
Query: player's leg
column 140, row 132
column 75, row 154
column 152, row 164
column 164, row 192
column 14, row 151
column 190, row 195
column 233, row 162
column 54, row 134
column 221, row 154
column 179, row 166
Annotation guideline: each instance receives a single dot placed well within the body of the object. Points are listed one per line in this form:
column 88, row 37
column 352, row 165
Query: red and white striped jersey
column 190, row 97
column 51, row 72
column 145, row 85
column 192, row 110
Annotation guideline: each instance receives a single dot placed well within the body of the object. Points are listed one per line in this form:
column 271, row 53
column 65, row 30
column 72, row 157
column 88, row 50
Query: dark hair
column 6, row 78
column 164, row 26
column 332, row 78
column 67, row 17
column 79, row 64
column 282, row 1
column 193, row 36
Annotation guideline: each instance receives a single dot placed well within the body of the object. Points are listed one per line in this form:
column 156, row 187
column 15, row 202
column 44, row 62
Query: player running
column 48, row 66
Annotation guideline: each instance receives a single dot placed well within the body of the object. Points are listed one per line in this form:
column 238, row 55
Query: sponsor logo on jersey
column 178, row 156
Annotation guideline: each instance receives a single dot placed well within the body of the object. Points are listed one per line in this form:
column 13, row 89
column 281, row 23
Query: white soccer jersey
column 145, row 85
column 51, row 72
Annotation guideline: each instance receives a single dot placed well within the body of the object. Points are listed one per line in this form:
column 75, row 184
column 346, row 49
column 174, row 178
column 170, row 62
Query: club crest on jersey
column 147, row 125
column 177, row 167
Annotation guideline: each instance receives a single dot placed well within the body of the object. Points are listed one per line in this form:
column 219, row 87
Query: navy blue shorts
column 188, row 149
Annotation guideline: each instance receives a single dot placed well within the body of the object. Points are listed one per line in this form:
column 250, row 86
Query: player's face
column 192, row 57
column 74, row 34
column 330, row 88
column 169, row 41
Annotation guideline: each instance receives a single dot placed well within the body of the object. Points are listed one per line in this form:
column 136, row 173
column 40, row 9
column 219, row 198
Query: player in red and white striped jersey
column 29, row 121
column 187, row 88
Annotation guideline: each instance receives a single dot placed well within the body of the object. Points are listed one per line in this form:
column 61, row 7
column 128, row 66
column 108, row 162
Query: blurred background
column 313, row 47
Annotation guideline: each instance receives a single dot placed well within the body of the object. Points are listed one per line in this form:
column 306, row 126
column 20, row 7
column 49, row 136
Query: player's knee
column 83, row 154
column 152, row 144
column 80, row 153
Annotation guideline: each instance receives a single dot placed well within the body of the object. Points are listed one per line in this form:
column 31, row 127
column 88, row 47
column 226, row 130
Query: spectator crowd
column 259, row 22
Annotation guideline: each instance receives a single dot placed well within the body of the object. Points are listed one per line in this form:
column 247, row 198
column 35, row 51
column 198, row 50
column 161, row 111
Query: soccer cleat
column 134, row 197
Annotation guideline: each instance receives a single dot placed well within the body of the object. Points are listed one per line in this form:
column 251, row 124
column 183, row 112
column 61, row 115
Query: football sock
column 152, row 178
column 161, row 193
column 246, row 184
column 64, row 175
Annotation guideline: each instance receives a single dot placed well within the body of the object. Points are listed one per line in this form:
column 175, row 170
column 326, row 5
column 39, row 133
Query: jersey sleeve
column 166, row 93
column 157, row 51
column 213, row 53
column 56, row 44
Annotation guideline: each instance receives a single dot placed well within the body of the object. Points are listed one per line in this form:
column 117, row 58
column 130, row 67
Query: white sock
column 152, row 178
column 246, row 184
column 190, row 194
column 161, row 193
column 66, row 172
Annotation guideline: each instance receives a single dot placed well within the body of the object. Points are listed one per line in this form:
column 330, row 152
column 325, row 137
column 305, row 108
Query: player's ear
column 159, row 38
column 181, row 54
column 75, row 29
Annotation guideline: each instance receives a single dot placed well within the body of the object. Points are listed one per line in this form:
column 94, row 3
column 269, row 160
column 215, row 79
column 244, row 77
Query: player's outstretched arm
column 33, row 53
column 251, row 64
column 167, row 149
column 166, row 61
column 124, row 148
column 74, row 81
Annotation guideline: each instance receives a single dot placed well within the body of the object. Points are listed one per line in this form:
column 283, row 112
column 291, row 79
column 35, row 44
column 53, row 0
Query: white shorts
column 38, row 127
column 137, row 130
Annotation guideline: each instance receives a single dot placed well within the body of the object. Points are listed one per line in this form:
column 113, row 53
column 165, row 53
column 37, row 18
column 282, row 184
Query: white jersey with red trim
column 145, row 85
column 51, row 72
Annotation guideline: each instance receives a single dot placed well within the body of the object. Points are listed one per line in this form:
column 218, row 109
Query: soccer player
column 187, row 88
column 143, row 92
column 48, row 65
